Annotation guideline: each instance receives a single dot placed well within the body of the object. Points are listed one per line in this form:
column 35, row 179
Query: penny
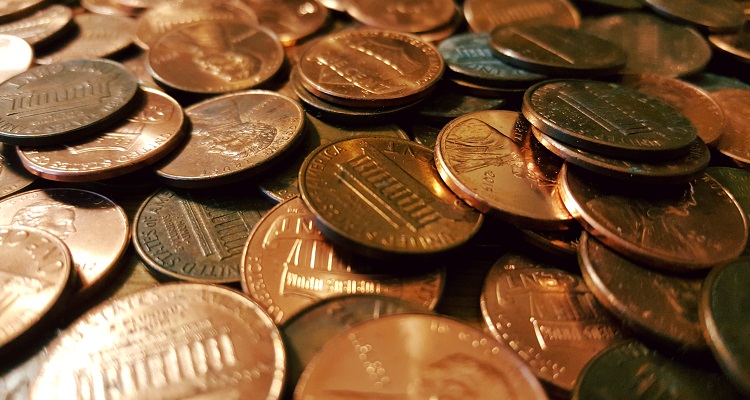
column 196, row 237
column 735, row 141
column 409, row 16
column 233, row 136
column 290, row 20
column 377, row 359
column 487, row 159
column 153, row 130
column 335, row 5
column 556, row 51
column 98, row 36
column 391, row 183
column 652, row 44
column 548, row 317
column 642, row 373
column 105, row 7
column 695, row 103
column 13, row 9
column 682, row 228
column 608, row 119
column 485, row 91
column 42, row 27
column 721, row 319
column 281, row 184
column 675, row 170
column 367, row 68
column 444, row 31
column 35, row 273
column 287, row 265
column 15, row 56
column 736, row 45
column 485, row 15
column 662, row 308
column 13, row 177
column 448, row 104
column 52, row 104
column 95, row 229
column 736, row 181
column 714, row 15
column 172, row 342
column 558, row 243
column 713, row 82
column 623, row 5
column 215, row 57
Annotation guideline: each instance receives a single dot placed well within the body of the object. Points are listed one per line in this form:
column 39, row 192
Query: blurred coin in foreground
column 485, row 15
column 15, row 56
column 735, row 142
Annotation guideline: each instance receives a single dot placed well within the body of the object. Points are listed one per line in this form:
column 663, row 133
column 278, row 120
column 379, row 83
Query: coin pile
column 387, row 200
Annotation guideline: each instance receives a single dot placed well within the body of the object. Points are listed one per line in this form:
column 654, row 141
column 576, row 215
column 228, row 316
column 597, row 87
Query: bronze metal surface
column 13, row 9
column 42, row 27
column 735, row 142
column 485, row 15
column 13, row 176
column 736, row 45
column 15, row 56
column 736, row 181
column 410, row 16
column 137, row 65
column 290, row 20
column 714, row 15
column 105, row 7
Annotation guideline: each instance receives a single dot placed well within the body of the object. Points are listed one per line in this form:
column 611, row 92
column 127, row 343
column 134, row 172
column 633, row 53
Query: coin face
column 65, row 101
column 42, row 26
column 378, row 359
column 287, row 265
column 196, row 237
column 736, row 181
column 714, row 15
column 735, row 142
column 402, row 15
column 13, row 177
column 485, row 15
column 391, row 183
column 290, row 20
column 172, row 342
column 232, row 137
column 153, row 130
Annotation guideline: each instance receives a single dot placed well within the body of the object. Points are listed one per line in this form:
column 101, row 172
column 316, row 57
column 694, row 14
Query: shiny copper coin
column 175, row 341
column 608, row 119
column 548, row 317
column 42, row 27
column 287, row 265
column 488, row 159
column 365, row 68
column 485, row 15
column 153, row 130
column 380, row 359
column 15, row 56
column 695, row 103
column 62, row 102
column 736, row 181
column 408, row 16
column 687, row 227
column 215, row 56
column 392, row 184
column 714, row 15
column 613, row 5
column 13, row 177
column 196, row 237
column 232, row 137
column 95, row 229
column 661, row 307
column 98, row 36
column 444, row 31
column 290, row 20
column 735, row 142
column 736, row 45
column 723, row 319
column 34, row 273
column 14, row 9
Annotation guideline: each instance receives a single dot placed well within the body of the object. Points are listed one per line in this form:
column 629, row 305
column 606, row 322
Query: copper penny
column 13, row 177
column 548, row 317
column 287, row 265
column 736, row 181
column 380, row 359
column 736, row 45
column 712, row 82
column 98, row 36
column 684, row 228
column 735, row 142
column 15, row 56
column 42, row 27
column 105, row 7
column 197, row 237
column 153, row 130
column 65, row 101
column 714, row 15
column 444, row 31
column 394, row 185
column 175, row 341
column 290, row 20
column 409, row 16
column 489, row 160
column 366, row 68
column 485, row 15
column 95, row 229
column 232, row 137
column 14, row 9
column 215, row 56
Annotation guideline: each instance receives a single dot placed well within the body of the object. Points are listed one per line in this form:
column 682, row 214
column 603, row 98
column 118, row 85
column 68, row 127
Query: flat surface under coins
column 391, row 183
column 42, row 26
column 735, row 142
column 485, row 15
column 288, row 265
column 205, row 341
column 402, row 15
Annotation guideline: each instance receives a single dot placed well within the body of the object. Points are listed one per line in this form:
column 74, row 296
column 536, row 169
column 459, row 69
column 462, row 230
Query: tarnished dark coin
column 62, row 102
column 175, row 341
column 153, row 130
column 688, row 227
column 736, row 181
column 196, row 237
column 15, row 56
column 367, row 68
column 652, row 44
column 448, row 103
column 661, row 307
column 215, row 56
column 14, row 9
column 632, row 371
column 426, row 134
column 713, row 15
column 485, row 15
column 556, row 51
column 488, row 159
column 723, row 319
column 559, row 243
column 287, row 265
column 290, row 20
column 735, row 141
column 608, row 119
column 736, row 45
column 548, row 317
column 234, row 136
column 394, row 185
column 673, row 170
column 402, row 15
column 42, row 27
column 13, row 177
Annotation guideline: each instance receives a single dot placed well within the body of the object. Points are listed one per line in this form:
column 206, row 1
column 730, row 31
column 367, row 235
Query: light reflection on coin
column 42, row 27
column 484, row 15
column 12, row 9
column 408, row 16
column 290, row 20
column 735, row 142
